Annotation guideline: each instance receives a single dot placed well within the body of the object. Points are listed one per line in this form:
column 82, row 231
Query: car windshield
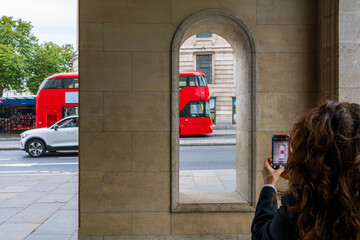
column 70, row 122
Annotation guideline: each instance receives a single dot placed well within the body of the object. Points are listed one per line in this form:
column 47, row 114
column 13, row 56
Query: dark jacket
column 271, row 223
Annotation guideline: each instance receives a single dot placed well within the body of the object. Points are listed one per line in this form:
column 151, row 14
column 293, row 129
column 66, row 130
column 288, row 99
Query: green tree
column 16, row 45
column 47, row 59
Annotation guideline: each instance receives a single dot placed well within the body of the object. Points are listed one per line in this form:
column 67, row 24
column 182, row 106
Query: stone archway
column 240, row 38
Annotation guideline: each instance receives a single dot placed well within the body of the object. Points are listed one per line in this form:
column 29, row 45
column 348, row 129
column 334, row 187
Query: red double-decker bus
column 194, row 104
column 58, row 97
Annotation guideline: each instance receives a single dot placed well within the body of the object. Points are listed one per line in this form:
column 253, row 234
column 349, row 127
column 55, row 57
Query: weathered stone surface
column 150, row 151
column 105, row 71
column 137, row 191
column 144, row 111
column 206, row 223
column 129, row 11
column 157, row 64
column 91, row 192
column 92, row 114
column 105, row 151
column 105, row 224
column 285, row 38
column 287, row 72
column 90, row 36
column 286, row 12
column 278, row 111
column 138, row 37
column 151, row 223
column 243, row 9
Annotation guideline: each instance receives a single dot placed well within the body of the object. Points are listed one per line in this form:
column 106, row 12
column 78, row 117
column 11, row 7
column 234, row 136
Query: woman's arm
column 264, row 214
column 267, row 204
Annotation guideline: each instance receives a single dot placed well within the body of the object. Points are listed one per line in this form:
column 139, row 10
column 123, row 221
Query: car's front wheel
column 36, row 148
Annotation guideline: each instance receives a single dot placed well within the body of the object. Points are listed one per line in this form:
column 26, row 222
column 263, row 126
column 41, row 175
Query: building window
column 213, row 109
column 204, row 35
column 204, row 64
column 234, row 110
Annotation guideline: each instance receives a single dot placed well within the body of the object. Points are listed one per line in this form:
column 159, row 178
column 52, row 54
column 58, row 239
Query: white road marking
column 67, row 157
column 2, row 172
column 17, row 165
column 36, row 164
column 45, row 164
column 4, row 159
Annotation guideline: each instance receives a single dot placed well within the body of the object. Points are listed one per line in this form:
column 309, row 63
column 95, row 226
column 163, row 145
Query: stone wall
column 125, row 115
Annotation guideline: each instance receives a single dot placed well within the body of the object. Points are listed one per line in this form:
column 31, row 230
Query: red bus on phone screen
column 58, row 97
column 194, row 104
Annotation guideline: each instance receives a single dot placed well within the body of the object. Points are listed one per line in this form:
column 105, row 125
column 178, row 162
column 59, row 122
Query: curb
column 9, row 148
column 10, row 139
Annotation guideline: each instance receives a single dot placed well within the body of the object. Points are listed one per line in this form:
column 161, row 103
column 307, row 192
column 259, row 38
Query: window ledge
column 212, row 201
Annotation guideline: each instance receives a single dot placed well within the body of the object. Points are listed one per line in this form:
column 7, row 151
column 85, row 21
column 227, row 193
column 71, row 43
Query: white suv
column 63, row 135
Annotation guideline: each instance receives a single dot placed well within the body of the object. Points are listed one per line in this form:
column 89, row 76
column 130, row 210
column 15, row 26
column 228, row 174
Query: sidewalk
column 207, row 180
column 44, row 207
column 38, row 207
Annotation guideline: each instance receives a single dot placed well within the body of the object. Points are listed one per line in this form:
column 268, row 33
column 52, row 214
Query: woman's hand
column 271, row 175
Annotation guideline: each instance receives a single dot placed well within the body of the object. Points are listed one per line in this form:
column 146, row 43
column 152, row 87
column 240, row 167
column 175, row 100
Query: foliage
column 47, row 59
column 24, row 62
column 16, row 44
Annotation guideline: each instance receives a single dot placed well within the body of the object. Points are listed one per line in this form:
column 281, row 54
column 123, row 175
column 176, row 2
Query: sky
column 52, row 20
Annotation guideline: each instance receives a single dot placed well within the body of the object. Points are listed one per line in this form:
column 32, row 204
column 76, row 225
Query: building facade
column 213, row 55
column 288, row 56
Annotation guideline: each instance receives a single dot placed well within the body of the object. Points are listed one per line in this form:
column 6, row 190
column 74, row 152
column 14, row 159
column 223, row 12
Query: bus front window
column 202, row 81
column 53, row 83
column 197, row 109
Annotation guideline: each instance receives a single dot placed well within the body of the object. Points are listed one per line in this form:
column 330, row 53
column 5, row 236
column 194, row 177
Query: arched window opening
column 219, row 25
column 207, row 141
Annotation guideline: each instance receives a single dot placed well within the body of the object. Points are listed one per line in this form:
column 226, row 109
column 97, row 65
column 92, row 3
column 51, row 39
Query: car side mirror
column 56, row 127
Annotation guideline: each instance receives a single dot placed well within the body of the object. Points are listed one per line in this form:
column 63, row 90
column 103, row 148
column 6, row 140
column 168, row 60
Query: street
column 19, row 162
column 207, row 157
column 191, row 158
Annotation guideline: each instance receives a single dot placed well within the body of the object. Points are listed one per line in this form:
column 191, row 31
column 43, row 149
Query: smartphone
column 280, row 150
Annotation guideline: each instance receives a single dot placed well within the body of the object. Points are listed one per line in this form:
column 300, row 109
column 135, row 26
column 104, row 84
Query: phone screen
column 280, row 150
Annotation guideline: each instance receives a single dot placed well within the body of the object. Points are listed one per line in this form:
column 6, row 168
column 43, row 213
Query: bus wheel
column 36, row 148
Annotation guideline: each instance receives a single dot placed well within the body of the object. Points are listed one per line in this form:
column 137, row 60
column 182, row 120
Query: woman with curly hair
column 323, row 199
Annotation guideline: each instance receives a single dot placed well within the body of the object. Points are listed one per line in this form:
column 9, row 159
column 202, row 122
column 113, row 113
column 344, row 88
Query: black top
column 271, row 223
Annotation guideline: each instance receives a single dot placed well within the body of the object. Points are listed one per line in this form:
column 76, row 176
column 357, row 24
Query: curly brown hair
column 324, row 172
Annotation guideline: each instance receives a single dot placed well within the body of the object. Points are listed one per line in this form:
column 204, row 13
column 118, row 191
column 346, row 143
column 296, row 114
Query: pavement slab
column 13, row 231
column 36, row 213
column 49, row 237
column 6, row 213
column 69, row 188
column 23, row 200
column 56, row 197
column 14, row 189
column 73, row 204
column 63, row 222
column 6, row 196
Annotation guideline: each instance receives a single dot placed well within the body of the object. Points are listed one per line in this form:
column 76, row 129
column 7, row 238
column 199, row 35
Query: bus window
column 192, row 81
column 53, row 83
column 196, row 109
column 202, row 81
column 71, row 83
column 182, row 82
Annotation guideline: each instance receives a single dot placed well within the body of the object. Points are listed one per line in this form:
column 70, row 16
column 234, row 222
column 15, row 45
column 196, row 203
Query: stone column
column 349, row 50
